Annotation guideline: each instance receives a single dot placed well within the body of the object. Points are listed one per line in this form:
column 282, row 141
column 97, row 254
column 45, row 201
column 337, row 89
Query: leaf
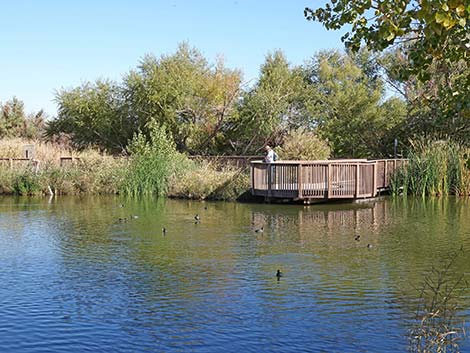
column 460, row 10
column 462, row 22
column 390, row 36
column 445, row 7
column 440, row 17
column 449, row 22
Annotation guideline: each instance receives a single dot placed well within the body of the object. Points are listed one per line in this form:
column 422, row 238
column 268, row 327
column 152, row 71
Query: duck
column 278, row 274
column 122, row 220
column 357, row 237
column 197, row 218
column 134, row 216
column 370, row 246
column 164, row 231
column 260, row 230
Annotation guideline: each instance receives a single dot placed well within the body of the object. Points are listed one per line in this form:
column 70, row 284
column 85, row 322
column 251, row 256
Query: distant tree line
column 352, row 104
column 340, row 98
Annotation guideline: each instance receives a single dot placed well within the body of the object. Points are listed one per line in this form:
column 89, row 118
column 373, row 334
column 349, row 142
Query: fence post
column 299, row 181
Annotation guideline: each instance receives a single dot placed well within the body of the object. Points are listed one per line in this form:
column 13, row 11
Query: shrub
column 26, row 183
column 154, row 161
column 302, row 144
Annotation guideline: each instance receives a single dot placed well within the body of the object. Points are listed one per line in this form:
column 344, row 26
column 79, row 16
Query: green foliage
column 438, row 29
column 192, row 97
column 93, row 115
column 435, row 168
column 183, row 91
column 350, row 111
column 26, row 183
column 14, row 122
column 438, row 108
column 154, row 161
column 277, row 102
column 302, row 144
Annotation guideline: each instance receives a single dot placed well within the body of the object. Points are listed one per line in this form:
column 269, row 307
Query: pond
column 76, row 278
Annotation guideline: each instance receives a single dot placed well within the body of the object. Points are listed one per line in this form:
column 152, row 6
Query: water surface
column 75, row 278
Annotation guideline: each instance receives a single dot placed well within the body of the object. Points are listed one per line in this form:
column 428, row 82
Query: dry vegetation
column 96, row 173
column 208, row 181
column 92, row 173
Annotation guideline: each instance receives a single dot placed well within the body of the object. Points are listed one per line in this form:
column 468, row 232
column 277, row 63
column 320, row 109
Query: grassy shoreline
column 94, row 173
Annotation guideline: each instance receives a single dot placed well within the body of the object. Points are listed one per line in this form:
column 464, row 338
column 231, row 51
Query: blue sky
column 47, row 45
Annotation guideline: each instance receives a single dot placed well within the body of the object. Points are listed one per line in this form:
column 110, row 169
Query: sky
column 50, row 45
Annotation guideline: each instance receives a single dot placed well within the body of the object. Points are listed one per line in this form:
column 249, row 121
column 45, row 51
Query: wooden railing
column 332, row 179
column 239, row 162
column 25, row 162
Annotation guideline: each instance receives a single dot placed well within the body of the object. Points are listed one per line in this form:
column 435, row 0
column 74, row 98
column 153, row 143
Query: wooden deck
column 331, row 179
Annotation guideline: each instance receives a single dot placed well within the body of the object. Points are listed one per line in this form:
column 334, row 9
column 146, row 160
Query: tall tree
column 183, row 91
column 192, row 97
column 93, row 115
column 351, row 111
column 14, row 122
column 276, row 103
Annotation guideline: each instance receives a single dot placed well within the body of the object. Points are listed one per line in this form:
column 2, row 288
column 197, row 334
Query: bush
column 26, row 183
column 153, row 162
column 302, row 144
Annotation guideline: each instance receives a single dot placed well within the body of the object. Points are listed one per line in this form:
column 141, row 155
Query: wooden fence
column 25, row 162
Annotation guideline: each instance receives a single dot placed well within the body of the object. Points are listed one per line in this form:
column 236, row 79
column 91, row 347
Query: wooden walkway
column 331, row 179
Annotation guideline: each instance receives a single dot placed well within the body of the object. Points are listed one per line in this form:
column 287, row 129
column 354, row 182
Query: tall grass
column 203, row 180
column 435, row 168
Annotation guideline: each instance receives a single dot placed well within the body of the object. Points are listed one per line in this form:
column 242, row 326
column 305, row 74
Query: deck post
column 385, row 173
column 299, row 181
column 328, row 191
column 374, row 179
column 356, row 190
column 269, row 179
column 252, row 176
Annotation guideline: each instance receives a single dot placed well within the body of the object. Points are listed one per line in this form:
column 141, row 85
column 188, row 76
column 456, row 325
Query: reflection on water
column 75, row 278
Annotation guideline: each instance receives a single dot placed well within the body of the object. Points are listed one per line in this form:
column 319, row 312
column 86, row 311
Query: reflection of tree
column 408, row 236
column 106, row 269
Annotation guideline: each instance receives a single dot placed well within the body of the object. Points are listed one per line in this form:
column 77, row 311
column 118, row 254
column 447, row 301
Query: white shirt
column 269, row 157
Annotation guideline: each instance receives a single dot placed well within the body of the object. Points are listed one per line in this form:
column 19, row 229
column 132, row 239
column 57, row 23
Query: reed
column 435, row 168
column 437, row 326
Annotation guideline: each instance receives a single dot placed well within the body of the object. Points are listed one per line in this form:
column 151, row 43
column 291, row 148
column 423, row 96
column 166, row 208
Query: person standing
column 270, row 156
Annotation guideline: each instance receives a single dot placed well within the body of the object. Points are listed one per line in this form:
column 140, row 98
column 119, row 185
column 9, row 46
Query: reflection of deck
column 332, row 179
